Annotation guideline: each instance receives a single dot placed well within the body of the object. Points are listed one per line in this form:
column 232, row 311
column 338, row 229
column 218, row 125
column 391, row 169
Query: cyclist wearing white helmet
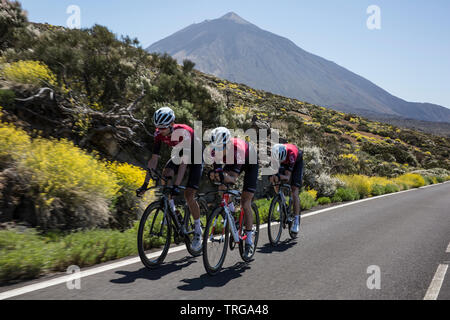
column 164, row 120
column 243, row 152
column 290, row 159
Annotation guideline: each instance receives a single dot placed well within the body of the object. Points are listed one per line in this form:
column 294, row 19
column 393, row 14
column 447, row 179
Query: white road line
column 92, row 271
column 436, row 283
column 448, row 249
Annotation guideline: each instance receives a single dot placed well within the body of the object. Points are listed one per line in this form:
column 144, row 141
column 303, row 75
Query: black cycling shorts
column 296, row 174
column 251, row 175
column 195, row 173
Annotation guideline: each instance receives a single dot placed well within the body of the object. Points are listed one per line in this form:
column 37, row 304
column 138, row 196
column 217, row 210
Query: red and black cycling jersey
column 240, row 150
column 291, row 158
column 182, row 131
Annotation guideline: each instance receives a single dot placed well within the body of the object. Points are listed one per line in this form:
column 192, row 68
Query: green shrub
column 347, row 194
column 391, row 188
column 440, row 179
column 323, row 200
column 378, row 190
column 428, row 180
column 23, row 255
column 263, row 209
column 336, row 198
column 27, row 255
column 7, row 97
column 306, row 200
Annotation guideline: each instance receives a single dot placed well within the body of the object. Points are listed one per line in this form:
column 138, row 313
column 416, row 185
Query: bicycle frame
column 164, row 200
column 229, row 216
column 230, row 219
column 285, row 207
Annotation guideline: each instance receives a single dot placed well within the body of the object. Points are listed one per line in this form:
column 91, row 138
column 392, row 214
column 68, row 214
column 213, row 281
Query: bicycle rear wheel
column 215, row 241
column 154, row 231
column 275, row 221
column 255, row 234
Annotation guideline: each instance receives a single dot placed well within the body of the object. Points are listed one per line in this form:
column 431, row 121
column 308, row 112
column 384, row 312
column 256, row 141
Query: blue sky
column 409, row 56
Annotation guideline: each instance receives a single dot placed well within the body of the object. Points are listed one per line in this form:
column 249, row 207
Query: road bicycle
column 281, row 214
column 221, row 226
column 159, row 220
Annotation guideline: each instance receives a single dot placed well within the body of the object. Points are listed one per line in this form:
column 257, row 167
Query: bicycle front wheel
column 275, row 221
column 255, row 234
column 215, row 242
column 189, row 226
column 154, row 231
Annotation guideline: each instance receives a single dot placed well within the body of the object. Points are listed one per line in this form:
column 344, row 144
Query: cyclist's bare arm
column 152, row 163
column 282, row 177
column 230, row 177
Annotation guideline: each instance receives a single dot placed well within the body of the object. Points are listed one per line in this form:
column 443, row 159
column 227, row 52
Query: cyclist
column 290, row 159
column 244, row 160
column 173, row 134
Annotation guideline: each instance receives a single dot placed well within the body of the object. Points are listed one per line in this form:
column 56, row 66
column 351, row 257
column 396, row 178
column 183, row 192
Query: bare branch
column 38, row 95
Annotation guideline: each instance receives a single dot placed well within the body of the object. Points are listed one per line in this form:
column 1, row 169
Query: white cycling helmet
column 163, row 117
column 279, row 152
column 220, row 137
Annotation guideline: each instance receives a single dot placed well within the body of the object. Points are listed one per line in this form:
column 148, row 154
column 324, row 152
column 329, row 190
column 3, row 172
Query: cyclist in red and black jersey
column 244, row 159
column 177, row 135
column 291, row 168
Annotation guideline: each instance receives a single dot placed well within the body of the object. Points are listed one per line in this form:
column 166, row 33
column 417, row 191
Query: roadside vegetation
column 76, row 126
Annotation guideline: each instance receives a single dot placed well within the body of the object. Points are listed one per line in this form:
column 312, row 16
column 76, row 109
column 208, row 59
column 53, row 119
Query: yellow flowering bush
column 313, row 124
column 29, row 72
column 241, row 110
column 381, row 181
column 359, row 183
column 129, row 177
column 412, row 180
column 60, row 169
column 69, row 187
column 13, row 142
column 349, row 156
column 313, row 193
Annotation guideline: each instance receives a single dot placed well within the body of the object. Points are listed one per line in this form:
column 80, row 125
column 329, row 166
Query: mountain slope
column 234, row 49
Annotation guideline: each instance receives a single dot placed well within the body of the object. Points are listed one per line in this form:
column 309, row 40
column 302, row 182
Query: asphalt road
column 403, row 236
